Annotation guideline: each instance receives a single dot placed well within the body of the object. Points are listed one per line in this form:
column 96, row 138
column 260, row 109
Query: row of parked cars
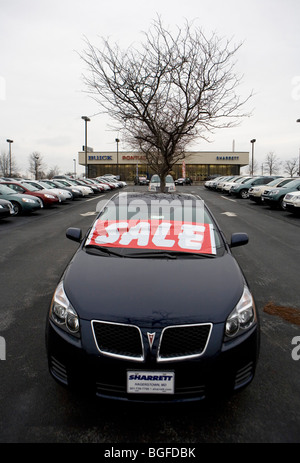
column 277, row 192
column 20, row 196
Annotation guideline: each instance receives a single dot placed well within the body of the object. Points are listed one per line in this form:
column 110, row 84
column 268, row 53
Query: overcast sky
column 42, row 94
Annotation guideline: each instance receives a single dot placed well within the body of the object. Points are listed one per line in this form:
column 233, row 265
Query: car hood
column 19, row 196
column 153, row 291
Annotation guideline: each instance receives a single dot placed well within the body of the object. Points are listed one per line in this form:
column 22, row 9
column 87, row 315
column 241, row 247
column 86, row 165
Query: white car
column 208, row 184
column 291, row 202
column 62, row 194
column 86, row 190
column 47, row 189
column 221, row 183
column 154, row 184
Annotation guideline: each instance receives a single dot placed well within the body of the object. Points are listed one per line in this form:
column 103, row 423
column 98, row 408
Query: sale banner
column 154, row 234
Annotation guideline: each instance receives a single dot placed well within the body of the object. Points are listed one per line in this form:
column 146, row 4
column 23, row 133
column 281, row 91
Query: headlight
column 49, row 196
column 242, row 317
column 62, row 313
column 273, row 192
column 27, row 200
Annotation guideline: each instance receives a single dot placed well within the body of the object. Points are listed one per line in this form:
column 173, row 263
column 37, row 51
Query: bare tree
column 36, row 165
column 8, row 166
column 272, row 163
column 292, row 167
column 172, row 89
column 53, row 171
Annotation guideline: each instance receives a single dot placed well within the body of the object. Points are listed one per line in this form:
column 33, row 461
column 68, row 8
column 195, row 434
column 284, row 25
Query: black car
column 184, row 181
column 6, row 209
column 153, row 306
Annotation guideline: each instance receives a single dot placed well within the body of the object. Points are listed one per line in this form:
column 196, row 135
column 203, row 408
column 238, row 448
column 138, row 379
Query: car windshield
column 292, row 184
column 6, row 190
column 169, row 179
column 273, row 182
column 155, row 179
column 156, row 225
column 31, row 187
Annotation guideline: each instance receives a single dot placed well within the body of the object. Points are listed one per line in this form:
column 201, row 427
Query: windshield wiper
column 102, row 249
column 171, row 255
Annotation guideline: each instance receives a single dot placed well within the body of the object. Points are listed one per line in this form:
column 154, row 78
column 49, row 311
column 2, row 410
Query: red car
column 47, row 197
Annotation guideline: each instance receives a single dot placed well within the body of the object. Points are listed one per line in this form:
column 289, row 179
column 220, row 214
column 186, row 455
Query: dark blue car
column 153, row 306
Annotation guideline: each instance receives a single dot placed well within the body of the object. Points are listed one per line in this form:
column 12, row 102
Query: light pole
column 86, row 120
column 117, row 141
column 252, row 166
column 74, row 160
column 9, row 144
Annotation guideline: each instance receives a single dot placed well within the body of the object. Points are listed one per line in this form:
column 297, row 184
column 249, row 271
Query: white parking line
column 228, row 199
column 86, row 214
column 96, row 197
column 229, row 214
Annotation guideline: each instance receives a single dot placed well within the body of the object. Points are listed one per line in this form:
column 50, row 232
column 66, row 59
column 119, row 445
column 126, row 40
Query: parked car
column 22, row 203
column 255, row 192
column 182, row 323
column 220, row 183
column 141, row 180
column 154, row 184
column 6, row 209
column 47, row 198
column 103, row 184
column 291, row 202
column 210, row 183
column 274, row 197
column 76, row 193
column 45, row 187
column 227, row 185
column 184, row 181
column 85, row 190
column 242, row 189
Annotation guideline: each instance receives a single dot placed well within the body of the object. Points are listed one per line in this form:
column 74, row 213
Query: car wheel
column 17, row 208
column 244, row 194
column 281, row 204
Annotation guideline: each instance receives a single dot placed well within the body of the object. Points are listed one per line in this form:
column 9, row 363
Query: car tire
column 281, row 204
column 244, row 194
column 17, row 208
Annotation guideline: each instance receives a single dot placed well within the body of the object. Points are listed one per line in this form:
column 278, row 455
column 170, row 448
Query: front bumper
column 224, row 368
column 290, row 207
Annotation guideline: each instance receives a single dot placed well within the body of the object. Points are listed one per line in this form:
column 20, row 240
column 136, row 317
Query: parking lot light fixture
column 252, row 166
column 9, row 143
column 117, row 141
column 86, row 120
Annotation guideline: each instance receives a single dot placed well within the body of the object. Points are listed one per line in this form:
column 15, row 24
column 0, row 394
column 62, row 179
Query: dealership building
column 197, row 164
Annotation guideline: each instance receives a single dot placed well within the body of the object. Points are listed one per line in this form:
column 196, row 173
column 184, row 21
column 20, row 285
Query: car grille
column 179, row 342
column 118, row 340
column 129, row 342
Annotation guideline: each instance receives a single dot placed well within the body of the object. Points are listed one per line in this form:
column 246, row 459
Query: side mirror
column 74, row 234
column 238, row 239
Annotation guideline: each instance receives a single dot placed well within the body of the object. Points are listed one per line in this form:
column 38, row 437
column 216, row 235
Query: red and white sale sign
column 154, row 234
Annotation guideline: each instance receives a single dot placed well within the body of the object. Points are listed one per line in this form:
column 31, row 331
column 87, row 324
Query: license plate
column 150, row 382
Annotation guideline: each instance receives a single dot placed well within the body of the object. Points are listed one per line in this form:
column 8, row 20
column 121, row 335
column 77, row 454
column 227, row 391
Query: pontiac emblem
column 151, row 337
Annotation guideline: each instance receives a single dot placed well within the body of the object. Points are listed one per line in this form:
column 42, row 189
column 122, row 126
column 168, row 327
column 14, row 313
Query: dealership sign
column 154, row 234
